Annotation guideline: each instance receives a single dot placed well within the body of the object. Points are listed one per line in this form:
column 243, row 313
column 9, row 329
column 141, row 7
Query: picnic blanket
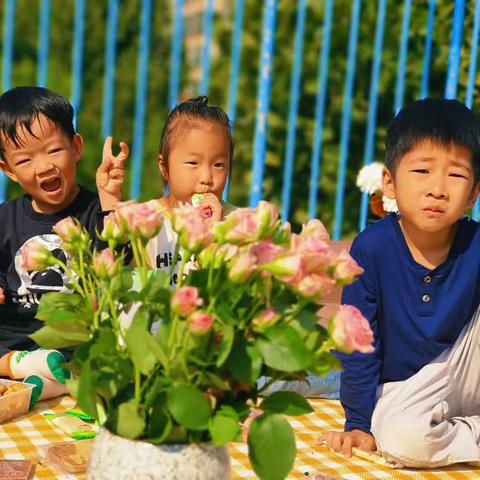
column 24, row 438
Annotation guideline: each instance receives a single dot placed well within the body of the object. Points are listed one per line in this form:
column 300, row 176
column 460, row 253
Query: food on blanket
column 72, row 426
column 18, row 387
column 374, row 457
column 14, row 399
column 69, row 457
column 16, row 469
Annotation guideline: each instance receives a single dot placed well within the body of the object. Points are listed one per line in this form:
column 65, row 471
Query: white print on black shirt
column 34, row 283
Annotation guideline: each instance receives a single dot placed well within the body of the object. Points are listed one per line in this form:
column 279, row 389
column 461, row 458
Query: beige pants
column 433, row 418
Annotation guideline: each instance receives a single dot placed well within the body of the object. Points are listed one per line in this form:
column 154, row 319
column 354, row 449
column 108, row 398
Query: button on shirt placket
column 426, row 296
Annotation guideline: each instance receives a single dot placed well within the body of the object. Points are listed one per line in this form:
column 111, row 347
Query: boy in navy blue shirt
column 415, row 398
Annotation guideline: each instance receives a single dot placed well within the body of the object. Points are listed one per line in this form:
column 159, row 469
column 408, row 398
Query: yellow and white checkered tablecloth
column 24, row 437
column 312, row 459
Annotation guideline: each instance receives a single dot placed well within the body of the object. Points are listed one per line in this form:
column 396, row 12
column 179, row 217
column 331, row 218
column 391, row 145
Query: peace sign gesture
column 111, row 174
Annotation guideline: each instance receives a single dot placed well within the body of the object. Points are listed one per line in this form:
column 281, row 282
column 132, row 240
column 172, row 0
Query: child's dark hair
column 20, row 106
column 439, row 121
column 184, row 115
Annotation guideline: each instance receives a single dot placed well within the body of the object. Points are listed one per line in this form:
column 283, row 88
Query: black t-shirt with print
column 19, row 225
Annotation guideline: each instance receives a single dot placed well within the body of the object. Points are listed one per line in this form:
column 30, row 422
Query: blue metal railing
column 340, row 137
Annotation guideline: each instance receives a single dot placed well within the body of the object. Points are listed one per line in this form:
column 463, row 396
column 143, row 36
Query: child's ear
column 4, row 168
column 388, row 184
column 77, row 145
column 162, row 166
column 474, row 196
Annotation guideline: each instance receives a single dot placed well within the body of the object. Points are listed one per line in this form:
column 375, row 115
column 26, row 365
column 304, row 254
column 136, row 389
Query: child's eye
column 219, row 165
column 458, row 175
column 420, row 170
column 54, row 150
column 192, row 163
column 23, row 161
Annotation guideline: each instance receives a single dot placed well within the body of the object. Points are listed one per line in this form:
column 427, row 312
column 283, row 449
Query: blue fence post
column 372, row 103
column 235, row 60
column 320, row 108
column 77, row 63
column 293, row 110
column 346, row 118
column 110, row 64
column 234, row 72
column 455, row 49
column 402, row 57
column 428, row 50
column 7, row 53
column 263, row 101
column 43, row 42
column 141, row 98
column 472, row 71
column 207, row 41
column 176, row 54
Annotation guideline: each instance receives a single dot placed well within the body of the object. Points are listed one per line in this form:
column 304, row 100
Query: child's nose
column 206, row 177
column 45, row 166
column 437, row 187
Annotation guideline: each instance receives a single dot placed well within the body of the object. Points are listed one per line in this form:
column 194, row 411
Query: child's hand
column 212, row 208
column 111, row 174
column 343, row 442
column 2, row 296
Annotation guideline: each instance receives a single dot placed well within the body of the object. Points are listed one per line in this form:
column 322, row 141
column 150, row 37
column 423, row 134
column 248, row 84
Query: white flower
column 389, row 204
column 369, row 178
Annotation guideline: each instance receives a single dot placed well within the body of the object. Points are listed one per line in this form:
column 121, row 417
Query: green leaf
column 271, row 447
column 245, row 363
column 283, row 349
column 189, row 407
column 121, row 284
column 53, row 301
column 160, row 424
column 47, row 337
column 225, row 346
column 138, row 340
column 86, row 396
column 286, row 403
column 224, row 427
column 128, row 421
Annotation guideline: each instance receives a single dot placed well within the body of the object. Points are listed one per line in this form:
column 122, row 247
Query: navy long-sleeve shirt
column 415, row 313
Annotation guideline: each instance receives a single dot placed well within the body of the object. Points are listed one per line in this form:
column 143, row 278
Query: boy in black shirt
column 39, row 150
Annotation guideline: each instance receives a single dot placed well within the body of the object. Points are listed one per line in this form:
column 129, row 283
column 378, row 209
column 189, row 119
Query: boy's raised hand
column 343, row 442
column 2, row 296
column 111, row 174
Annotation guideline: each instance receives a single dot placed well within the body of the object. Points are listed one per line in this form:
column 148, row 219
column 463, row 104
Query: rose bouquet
column 248, row 309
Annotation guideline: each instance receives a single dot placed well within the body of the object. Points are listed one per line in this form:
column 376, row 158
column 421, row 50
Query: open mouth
column 52, row 185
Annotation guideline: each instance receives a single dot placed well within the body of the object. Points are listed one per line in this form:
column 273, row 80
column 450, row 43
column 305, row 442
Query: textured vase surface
column 119, row 458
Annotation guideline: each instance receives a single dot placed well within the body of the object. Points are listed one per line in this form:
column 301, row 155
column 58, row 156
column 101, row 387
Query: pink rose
column 242, row 267
column 68, row 230
column 200, row 323
column 73, row 236
column 288, row 268
column 114, row 229
column 104, row 264
column 317, row 253
column 316, row 229
column 245, row 229
column 265, row 319
column 266, row 216
column 141, row 219
column 315, row 286
column 350, row 330
column 185, row 300
column 35, row 257
column 346, row 269
column 265, row 251
column 193, row 231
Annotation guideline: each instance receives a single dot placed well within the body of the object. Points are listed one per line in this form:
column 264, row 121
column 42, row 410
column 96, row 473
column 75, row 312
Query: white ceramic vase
column 119, row 458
